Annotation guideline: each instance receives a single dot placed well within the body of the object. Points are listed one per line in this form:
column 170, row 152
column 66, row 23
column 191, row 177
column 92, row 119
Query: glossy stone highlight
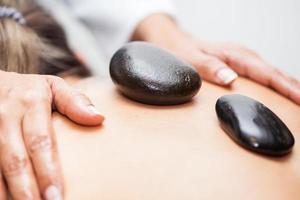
column 151, row 75
column 253, row 126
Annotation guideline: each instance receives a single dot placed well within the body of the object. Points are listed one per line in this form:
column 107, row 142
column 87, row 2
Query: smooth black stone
column 151, row 75
column 253, row 125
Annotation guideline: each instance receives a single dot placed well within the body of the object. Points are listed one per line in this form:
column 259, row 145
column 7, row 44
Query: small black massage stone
column 253, row 126
column 151, row 75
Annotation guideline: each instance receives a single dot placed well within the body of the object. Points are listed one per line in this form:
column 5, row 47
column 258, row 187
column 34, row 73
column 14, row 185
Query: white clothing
column 107, row 23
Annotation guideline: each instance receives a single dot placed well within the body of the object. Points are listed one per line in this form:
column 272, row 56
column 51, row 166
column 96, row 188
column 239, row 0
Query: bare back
column 179, row 152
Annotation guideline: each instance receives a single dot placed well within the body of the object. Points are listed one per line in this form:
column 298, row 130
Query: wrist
column 159, row 29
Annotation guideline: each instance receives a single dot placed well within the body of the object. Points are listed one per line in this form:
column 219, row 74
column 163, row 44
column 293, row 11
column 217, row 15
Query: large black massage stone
column 253, row 125
column 151, row 75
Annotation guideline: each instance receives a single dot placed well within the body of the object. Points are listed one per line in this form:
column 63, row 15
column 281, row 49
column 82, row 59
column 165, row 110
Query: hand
column 220, row 63
column 29, row 162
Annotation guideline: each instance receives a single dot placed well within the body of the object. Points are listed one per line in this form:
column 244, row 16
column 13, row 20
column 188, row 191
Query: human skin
column 172, row 152
column 23, row 97
column 29, row 164
column 217, row 62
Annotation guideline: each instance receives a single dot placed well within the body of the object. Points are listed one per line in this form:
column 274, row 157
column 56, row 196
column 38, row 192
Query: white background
column 270, row 27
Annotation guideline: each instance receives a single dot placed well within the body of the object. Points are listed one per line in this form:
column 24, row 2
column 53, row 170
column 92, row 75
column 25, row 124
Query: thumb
column 214, row 70
column 75, row 105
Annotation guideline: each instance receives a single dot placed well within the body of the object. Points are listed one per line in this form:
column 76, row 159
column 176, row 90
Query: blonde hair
column 39, row 46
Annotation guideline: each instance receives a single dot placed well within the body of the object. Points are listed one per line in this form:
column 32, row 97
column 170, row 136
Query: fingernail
column 226, row 75
column 53, row 193
column 94, row 110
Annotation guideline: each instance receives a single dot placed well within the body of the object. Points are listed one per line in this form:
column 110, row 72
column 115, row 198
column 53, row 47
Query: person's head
column 38, row 46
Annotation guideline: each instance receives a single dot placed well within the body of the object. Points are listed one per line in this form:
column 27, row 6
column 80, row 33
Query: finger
column 15, row 164
column 3, row 190
column 258, row 70
column 242, row 60
column 250, row 66
column 73, row 104
column 285, row 85
column 41, row 146
column 214, row 70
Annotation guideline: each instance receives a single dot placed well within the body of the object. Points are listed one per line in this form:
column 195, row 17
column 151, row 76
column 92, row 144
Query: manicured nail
column 53, row 193
column 94, row 110
column 226, row 75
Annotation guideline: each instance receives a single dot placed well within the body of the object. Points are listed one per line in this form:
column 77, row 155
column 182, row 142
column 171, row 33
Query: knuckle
column 82, row 97
column 275, row 74
column 79, row 95
column 39, row 143
column 235, row 47
column 55, row 78
column 235, row 56
column 294, row 81
column 34, row 97
column 34, row 91
column 14, row 165
column 208, row 62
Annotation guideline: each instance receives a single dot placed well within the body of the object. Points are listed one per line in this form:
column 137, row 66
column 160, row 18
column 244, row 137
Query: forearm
column 159, row 28
column 220, row 63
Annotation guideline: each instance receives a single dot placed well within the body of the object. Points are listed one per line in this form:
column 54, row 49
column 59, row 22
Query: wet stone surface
column 151, row 75
column 253, row 126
